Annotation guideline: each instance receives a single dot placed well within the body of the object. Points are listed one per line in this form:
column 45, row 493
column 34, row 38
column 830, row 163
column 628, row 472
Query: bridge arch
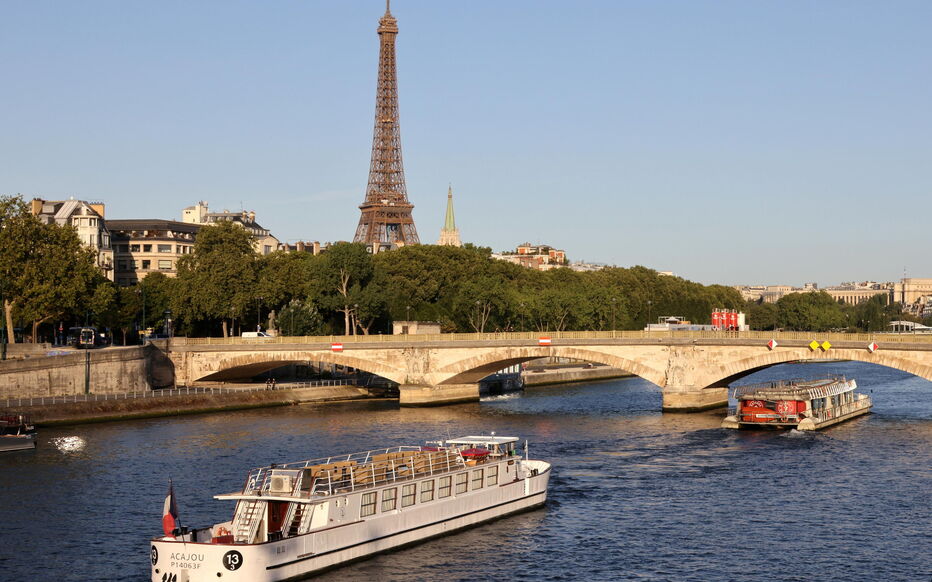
column 737, row 369
column 476, row 367
column 254, row 363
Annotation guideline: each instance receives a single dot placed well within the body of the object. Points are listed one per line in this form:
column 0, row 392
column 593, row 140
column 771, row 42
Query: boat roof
column 487, row 440
column 795, row 389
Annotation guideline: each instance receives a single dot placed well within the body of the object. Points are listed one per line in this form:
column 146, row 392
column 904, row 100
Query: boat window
column 407, row 495
column 461, row 483
column 368, row 504
column 493, row 476
column 389, row 499
column 444, row 487
column 427, row 490
column 477, row 479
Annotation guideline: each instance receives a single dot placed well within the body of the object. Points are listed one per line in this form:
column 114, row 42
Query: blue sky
column 730, row 142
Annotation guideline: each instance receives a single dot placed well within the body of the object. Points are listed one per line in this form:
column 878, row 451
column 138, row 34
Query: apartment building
column 87, row 218
column 143, row 246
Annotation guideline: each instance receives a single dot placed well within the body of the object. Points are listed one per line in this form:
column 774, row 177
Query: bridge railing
column 558, row 335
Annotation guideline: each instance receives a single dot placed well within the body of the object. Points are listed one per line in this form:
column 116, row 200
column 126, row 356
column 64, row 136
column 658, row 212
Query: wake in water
column 69, row 444
column 500, row 397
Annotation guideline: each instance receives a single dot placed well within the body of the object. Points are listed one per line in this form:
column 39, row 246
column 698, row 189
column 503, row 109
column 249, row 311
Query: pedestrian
column 273, row 383
column 268, row 383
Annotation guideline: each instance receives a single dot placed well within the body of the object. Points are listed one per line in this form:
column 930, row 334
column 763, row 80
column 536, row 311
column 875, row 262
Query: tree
column 809, row 311
column 762, row 316
column 284, row 277
column 300, row 317
column 45, row 270
column 345, row 270
column 218, row 280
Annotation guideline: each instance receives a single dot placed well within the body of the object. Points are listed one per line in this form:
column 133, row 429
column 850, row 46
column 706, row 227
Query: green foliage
column 762, row 316
column 345, row 270
column 219, row 279
column 299, row 317
column 46, row 272
column 814, row 311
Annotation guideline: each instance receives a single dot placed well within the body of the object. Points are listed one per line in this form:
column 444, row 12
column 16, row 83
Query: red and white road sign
column 872, row 347
column 544, row 341
column 772, row 344
column 336, row 347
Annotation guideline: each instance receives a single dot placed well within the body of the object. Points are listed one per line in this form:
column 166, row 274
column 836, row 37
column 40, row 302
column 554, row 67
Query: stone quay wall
column 111, row 371
column 566, row 375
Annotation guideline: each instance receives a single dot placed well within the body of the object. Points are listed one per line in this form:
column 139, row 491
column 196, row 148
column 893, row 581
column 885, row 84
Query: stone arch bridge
column 692, row 369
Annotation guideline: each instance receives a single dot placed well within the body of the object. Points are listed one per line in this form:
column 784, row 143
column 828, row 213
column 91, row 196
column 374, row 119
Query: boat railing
column 347, row 473
column 779, row 384
column 863, row 401
column 733, row 411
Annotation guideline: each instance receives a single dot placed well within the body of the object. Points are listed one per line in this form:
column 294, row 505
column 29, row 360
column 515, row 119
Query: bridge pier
column 694, row 399
column 436, row 395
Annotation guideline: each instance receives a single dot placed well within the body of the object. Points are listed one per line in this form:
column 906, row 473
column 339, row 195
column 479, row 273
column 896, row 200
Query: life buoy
column 222, row 531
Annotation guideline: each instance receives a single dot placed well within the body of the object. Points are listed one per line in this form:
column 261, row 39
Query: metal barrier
column 165, row 393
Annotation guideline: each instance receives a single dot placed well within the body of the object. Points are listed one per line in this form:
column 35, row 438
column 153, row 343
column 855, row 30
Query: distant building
column 87, row 218
column 582, row 266
column 415, row 327
column 849, row 293
column 540, row 257
column 449, row 234
column 264, row 243
column 910, row 290
column 144, row 246
column 312, row 247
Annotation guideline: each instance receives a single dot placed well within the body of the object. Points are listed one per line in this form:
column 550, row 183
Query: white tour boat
column 298, row 518
column 16, row 433
column 799, row 404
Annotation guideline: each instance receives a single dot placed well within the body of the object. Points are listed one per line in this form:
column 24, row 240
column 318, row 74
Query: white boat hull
column 17, row 442
column 299, row 556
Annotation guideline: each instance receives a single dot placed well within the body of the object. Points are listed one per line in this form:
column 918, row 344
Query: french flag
column 170, row 512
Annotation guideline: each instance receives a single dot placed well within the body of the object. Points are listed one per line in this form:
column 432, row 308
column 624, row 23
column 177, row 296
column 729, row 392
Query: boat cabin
column 790, row 403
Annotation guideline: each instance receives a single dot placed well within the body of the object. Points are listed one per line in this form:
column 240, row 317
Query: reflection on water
column 635, row 494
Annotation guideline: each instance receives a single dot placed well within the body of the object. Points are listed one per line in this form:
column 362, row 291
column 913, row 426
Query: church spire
column 449, row 234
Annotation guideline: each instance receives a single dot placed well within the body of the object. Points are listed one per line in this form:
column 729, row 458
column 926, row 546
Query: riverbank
column 567, row 375
column 176, row 405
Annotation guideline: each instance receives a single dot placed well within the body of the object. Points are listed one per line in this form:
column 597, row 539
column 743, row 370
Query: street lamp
column 648, row 313
column 258, row 314
column 167, row 326
column 614, row 299
column 142, row 290
column 522, row 316
column 3, row 330
column 407, row 326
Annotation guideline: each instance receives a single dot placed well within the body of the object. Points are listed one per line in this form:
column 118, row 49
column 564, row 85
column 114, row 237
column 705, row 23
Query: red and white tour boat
column 799, row 404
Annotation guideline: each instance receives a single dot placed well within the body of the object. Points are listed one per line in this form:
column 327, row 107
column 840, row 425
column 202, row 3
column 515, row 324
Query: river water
column 635, row 494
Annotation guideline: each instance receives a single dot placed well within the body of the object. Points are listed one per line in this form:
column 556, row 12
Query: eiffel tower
column 386, row 220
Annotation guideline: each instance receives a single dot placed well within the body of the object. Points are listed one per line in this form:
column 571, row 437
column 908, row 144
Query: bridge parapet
column 659, row 336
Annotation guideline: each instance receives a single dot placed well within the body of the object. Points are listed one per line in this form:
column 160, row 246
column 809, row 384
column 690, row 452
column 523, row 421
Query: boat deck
column 795, row 389
column 368, row 469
